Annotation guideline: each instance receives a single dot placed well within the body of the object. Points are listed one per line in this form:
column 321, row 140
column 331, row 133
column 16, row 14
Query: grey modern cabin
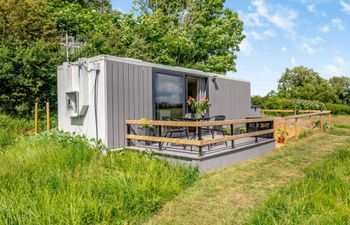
column 97, row 95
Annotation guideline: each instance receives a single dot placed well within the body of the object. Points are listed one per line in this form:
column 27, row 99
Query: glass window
column 169, row 95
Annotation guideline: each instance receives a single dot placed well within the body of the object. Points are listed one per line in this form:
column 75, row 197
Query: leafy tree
column 304, row 83
column 29, row 54
column 97, row 5
column 341, row 85
column 199, row 34
column 25, row 21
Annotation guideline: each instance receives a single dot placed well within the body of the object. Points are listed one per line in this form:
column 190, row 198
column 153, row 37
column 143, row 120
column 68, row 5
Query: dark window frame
column 184, row 75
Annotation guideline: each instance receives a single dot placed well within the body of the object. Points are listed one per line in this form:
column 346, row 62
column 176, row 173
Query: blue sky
column 284, row 34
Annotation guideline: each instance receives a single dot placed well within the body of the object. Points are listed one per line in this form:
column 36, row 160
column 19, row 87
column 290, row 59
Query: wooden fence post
column 36, row 129
column 47, row 116
column 296, row 128
column 310, row 121
column 285, row 128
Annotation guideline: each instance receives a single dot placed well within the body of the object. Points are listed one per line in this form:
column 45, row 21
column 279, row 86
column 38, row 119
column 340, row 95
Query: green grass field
column 302, row 183
column 321, row 197
column 56, row 179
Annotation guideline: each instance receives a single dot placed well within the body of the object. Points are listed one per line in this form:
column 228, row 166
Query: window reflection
column 169, row 95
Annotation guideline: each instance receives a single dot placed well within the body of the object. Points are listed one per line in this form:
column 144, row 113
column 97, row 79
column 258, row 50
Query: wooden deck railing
column 259, row 126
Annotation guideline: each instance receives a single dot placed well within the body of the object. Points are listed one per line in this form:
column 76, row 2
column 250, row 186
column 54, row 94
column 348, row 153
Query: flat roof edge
column 160, row 66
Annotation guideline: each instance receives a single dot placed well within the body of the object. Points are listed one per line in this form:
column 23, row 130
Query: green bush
column 274, row 102
column 66, row 181
column 338, row 109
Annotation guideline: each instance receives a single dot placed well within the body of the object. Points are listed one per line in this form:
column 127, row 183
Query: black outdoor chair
column 171, row 130
column 218, row 129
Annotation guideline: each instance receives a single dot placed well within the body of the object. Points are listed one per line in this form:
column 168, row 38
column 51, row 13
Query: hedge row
column 338, row 109
column 273, row 102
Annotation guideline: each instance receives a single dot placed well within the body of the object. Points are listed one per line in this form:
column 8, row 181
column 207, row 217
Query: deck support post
column 232, row 142
column 200, row 138
column 128, row 131
column 329, row 120
column 321, row 123
column 160, row 134
column 256, row 129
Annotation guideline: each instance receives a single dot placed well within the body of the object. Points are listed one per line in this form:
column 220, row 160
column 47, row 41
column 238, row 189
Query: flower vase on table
column 198, row 106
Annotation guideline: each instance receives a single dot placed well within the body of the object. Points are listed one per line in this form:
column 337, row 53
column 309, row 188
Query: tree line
column 302, row 83
column 198, row 34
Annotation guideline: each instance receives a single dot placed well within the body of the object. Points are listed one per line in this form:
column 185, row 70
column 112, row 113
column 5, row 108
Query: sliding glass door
column 169, row 95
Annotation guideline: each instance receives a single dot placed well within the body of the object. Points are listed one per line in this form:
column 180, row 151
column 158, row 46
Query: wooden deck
column 193, row 151
column 201, row 149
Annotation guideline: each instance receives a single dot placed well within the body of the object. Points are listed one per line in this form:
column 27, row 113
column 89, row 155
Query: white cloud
column 284, row 49
column 325, row 29
column 251, row 19
column 337, row 67
column 337, row 23
column 261, row 8
column 316, row 40
column 281, row 17
column 293, row 61
column 284, row 22
column 333, row 70
column 309, row 45
column 339, row 61
column 311, row 8
column 263, row 35
column 345, row 6
column 246, row 48
column 305, row 47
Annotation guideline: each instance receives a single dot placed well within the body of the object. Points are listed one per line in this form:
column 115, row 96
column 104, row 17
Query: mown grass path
column 229, row 195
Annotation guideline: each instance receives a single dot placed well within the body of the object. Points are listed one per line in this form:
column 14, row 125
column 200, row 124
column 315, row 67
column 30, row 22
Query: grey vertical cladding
column 229, row 97
column 115, row 118
column 129, row 96
column 110, row 94
column 119, row 112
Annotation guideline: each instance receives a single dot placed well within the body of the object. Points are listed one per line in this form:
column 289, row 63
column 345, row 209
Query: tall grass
column 56, row 179
column 11, row 128
column 321, row 197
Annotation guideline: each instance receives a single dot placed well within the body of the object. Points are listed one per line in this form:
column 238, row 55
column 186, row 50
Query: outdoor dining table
column 196, row 132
